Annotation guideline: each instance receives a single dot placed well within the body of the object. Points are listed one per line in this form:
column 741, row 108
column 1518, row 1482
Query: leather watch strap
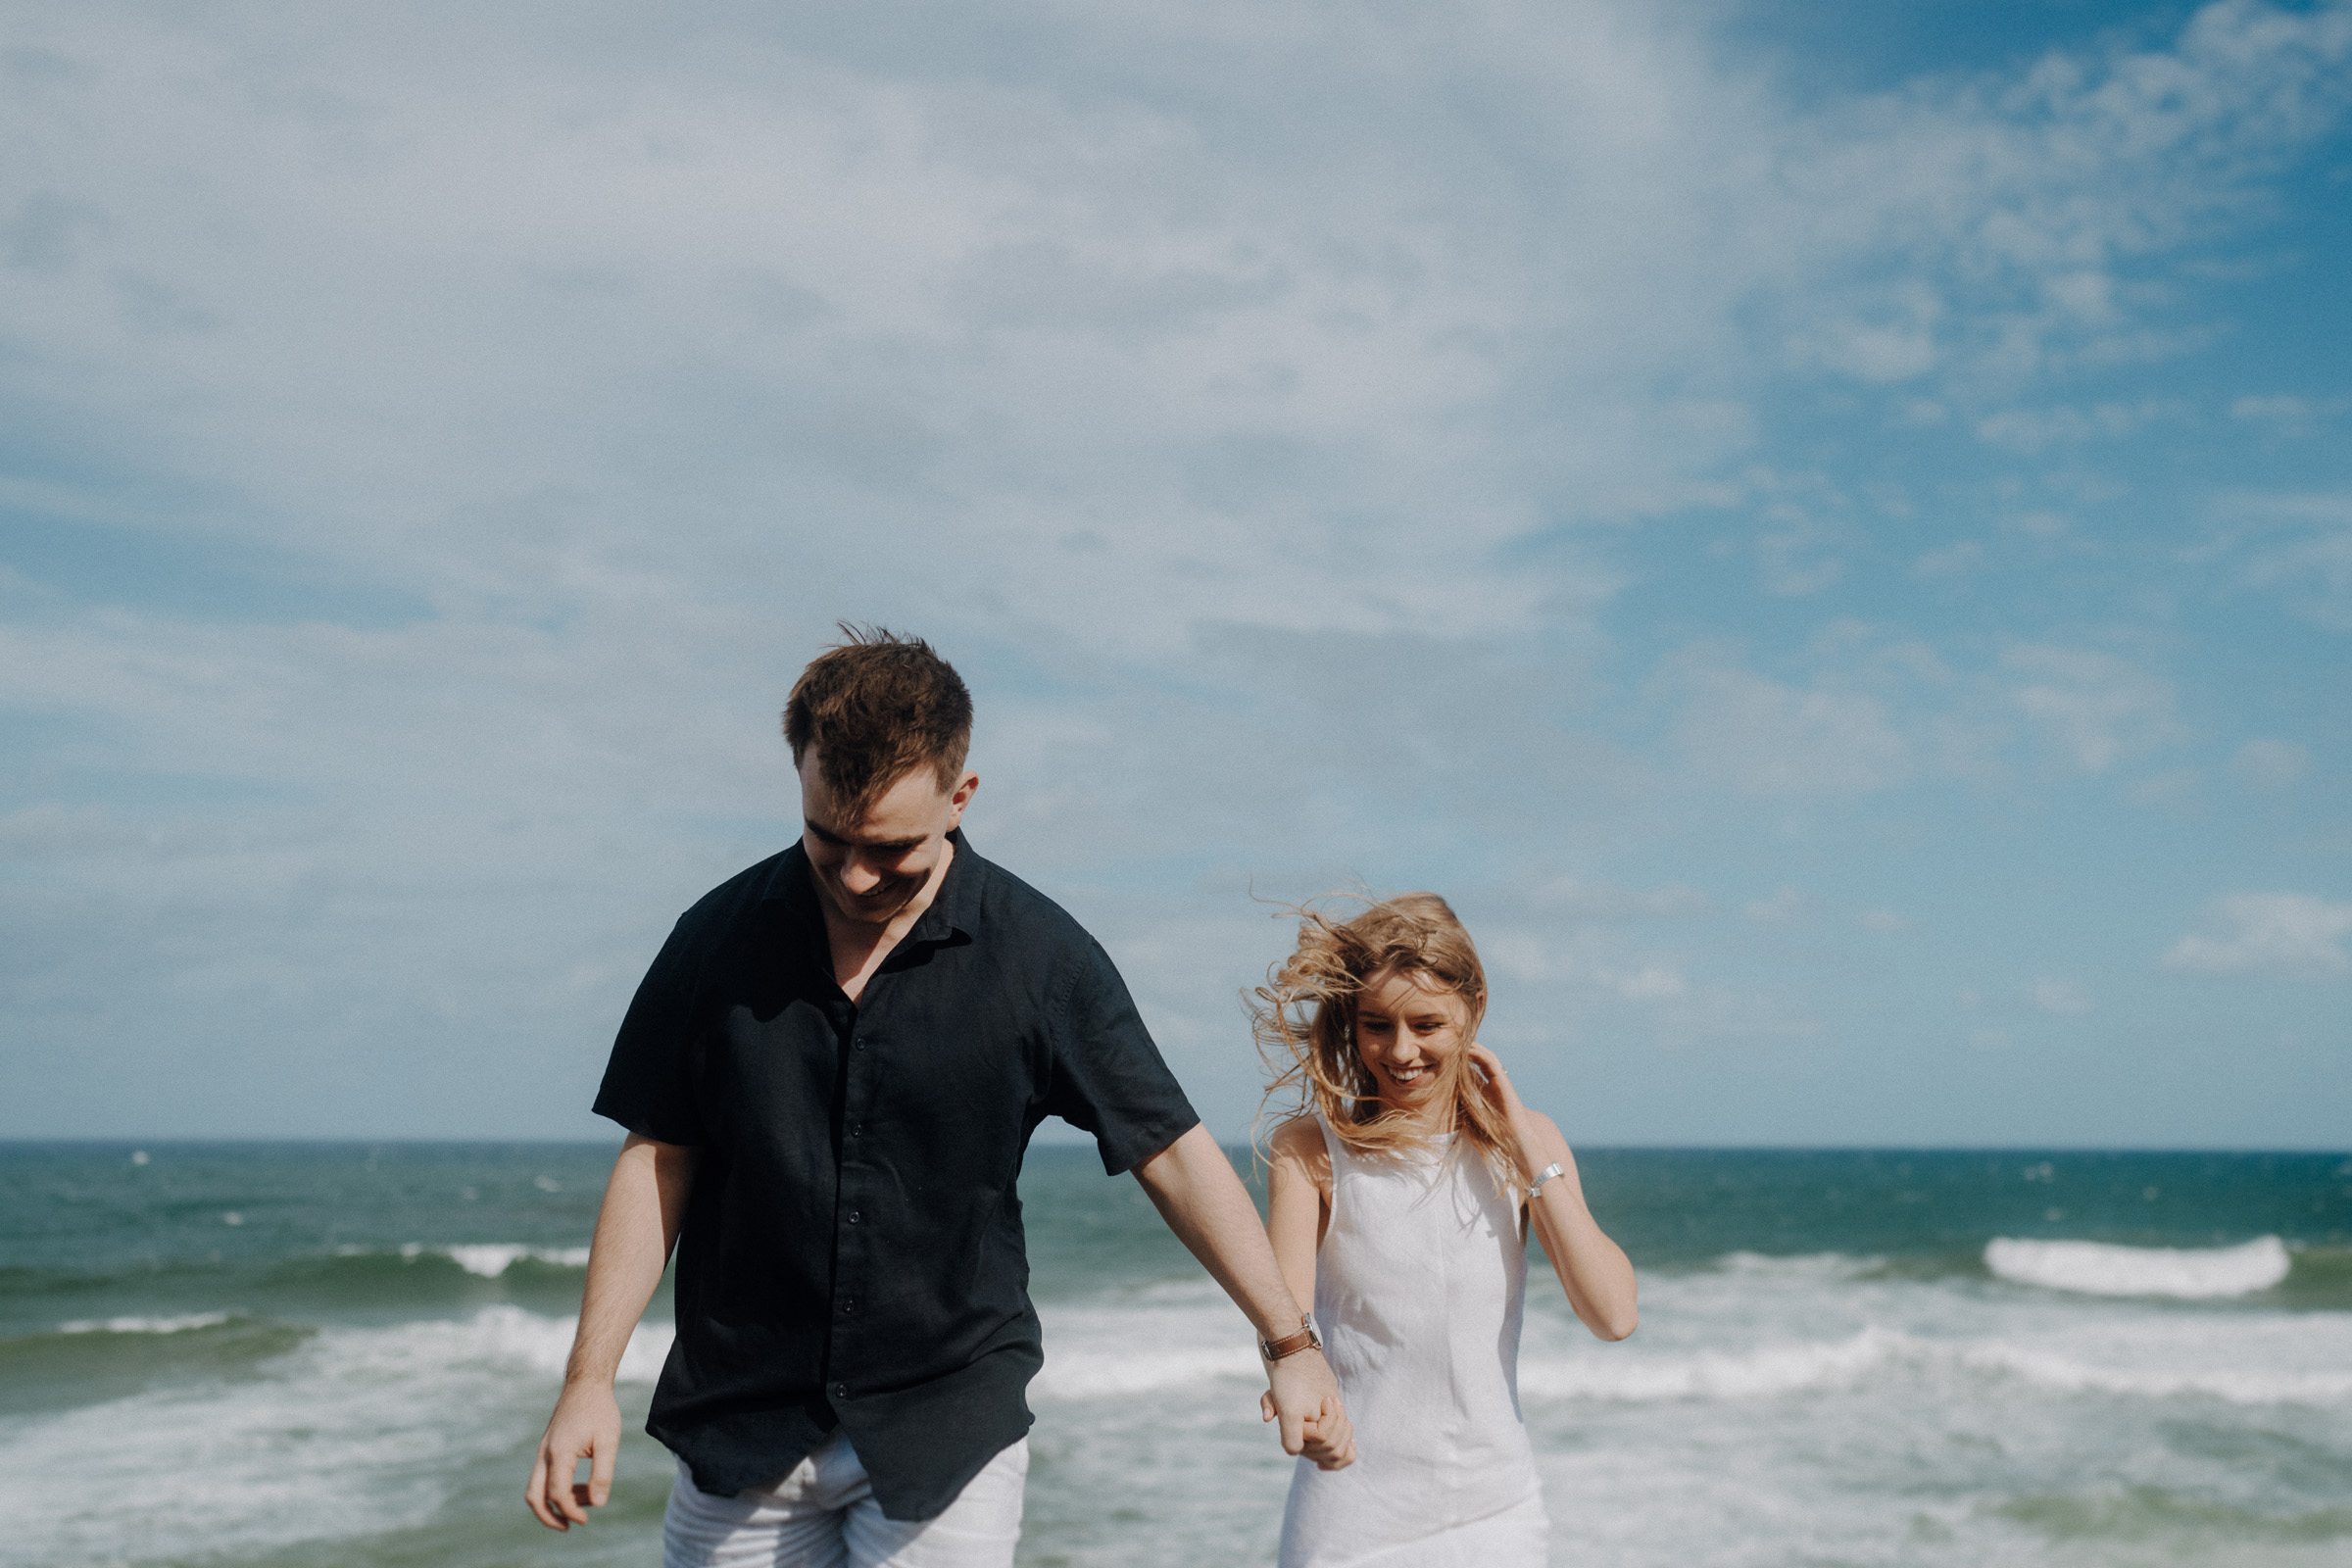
column 1307, row 1338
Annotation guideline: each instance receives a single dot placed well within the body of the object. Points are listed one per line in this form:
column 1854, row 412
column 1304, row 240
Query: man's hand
column 1305, row 1399
column 586, row 1425
column 645, row 1203
column 1193, row 1186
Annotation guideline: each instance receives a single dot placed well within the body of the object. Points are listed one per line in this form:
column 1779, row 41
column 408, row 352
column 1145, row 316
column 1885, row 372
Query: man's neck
column 860, row 946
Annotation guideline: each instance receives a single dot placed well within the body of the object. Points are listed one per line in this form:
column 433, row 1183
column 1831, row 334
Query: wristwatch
column 1307, row 1338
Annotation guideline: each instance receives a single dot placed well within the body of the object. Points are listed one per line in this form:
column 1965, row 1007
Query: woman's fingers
column 1497, row 1083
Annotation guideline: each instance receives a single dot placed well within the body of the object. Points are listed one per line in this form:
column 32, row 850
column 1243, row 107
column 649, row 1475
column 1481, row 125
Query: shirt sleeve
column 649, row 1082
column 1109, row 1077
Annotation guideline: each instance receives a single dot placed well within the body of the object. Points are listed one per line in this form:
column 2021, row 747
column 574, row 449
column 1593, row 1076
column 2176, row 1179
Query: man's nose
column 857, row 874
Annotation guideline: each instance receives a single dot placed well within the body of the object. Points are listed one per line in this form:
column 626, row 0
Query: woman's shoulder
column 1299, row 1142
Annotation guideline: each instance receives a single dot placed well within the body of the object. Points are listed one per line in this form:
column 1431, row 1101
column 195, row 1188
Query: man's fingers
column 1294, row 1431
column 534, row 1493
column 1265, row 1406
column 566, row 1494
column 545, row 1478
column 600, row 1470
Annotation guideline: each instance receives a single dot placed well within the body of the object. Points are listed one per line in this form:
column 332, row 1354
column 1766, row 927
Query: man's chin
column 867, row 911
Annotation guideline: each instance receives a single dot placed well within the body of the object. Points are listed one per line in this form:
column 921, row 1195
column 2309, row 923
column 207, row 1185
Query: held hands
column 1305, row 1398
column 586, row 1425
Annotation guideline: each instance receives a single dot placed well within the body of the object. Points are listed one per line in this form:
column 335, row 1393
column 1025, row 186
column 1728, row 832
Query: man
column 829, row 1078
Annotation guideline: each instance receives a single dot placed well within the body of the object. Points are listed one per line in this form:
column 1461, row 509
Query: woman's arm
column 1592, row 1269
column 1298, row 1206
column 1297, row 1203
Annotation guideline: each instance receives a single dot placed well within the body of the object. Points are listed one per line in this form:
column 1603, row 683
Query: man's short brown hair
column 875, row 705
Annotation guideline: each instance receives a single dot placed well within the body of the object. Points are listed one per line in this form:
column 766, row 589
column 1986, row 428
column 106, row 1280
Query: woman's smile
column 1407, row 1032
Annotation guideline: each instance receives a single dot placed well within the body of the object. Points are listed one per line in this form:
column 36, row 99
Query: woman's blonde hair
column 1304, row 1019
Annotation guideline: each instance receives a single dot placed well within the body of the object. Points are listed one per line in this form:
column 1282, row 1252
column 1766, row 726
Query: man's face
column 869, row 869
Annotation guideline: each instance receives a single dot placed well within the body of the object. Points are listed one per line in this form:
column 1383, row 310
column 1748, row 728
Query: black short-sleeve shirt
column 853, row 1253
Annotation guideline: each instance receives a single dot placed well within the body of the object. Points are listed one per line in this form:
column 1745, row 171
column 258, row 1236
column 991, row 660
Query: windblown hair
column 1304, row 1019
column 874, row 706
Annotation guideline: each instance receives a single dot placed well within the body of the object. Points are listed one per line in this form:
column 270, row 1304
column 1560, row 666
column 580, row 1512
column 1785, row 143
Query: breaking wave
column 2098, row 1268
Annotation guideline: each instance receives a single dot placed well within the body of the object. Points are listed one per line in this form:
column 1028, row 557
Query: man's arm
column 1194, row 1189
column 645, row 1203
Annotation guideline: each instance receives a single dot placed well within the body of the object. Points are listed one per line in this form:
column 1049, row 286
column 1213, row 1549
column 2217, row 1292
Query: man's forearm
column 644, row 1205
column 1194, row 1186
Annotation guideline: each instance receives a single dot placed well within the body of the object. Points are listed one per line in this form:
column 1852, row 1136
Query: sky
column 1824, row 530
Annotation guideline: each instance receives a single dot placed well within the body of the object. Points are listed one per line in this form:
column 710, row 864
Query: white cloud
column 2099, row 710
column 2270, row 765
column 1887, row 921
column 1948, row 561
column 1762, row 737
column 1779, row 910
column 1571, row 898
column 2297, row 546
column 2060, row 996
column 1209, row 386
column 2287, row 414
column 1652, row 982
column 2284, row 933
column 2030, row 431
column 2314, row 574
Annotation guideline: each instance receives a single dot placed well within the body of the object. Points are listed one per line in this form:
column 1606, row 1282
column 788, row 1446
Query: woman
column 1401, row 1192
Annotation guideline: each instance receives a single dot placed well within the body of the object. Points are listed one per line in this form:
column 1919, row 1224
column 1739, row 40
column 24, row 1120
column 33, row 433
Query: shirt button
column 841, row 1391
column 849, row 1305
column 854, row 1216
column 857, row 1044
column 857, row 1129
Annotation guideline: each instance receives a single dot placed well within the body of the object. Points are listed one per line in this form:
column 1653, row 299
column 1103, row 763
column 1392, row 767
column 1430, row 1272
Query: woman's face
column 1409, row 1032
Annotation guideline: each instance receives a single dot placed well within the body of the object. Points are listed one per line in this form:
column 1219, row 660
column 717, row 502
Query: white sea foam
column 487, row 1259
column 143, row 1325
column 490, row 1259
column 2234, row 1385
column 2096, row 1268
column 1162, row 1336
column 266, row 1462
column 1765, row 1372
column 1882, row 1354
column 1093, row 1374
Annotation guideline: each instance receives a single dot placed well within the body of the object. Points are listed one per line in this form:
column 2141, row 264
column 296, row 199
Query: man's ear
column 961, row 796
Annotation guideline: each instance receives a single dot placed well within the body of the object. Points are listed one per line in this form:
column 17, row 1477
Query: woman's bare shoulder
column 1299, row 1142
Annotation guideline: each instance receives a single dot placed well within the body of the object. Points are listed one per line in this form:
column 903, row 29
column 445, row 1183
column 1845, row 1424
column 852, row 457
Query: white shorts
column 823, row 1515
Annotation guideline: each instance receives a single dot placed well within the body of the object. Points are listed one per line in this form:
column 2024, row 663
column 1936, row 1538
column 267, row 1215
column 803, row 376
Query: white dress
column 1419, row 1283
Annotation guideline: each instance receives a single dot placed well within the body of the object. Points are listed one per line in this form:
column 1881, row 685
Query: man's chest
column 935, row 1051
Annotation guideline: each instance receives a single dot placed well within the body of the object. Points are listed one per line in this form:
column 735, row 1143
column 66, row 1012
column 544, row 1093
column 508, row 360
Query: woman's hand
column 1592, row 1269
column 1527, row 1128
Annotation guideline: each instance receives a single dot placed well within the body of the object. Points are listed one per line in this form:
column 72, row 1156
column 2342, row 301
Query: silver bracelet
column 1556, row 1168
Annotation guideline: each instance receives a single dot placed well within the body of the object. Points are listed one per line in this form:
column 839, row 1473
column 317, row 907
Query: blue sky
column 1827, row 530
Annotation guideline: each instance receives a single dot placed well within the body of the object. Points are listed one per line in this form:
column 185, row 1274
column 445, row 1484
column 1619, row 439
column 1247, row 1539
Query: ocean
column 298, row 1356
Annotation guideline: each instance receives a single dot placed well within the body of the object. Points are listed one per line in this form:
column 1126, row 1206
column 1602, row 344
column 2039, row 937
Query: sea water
column 342, row 1354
